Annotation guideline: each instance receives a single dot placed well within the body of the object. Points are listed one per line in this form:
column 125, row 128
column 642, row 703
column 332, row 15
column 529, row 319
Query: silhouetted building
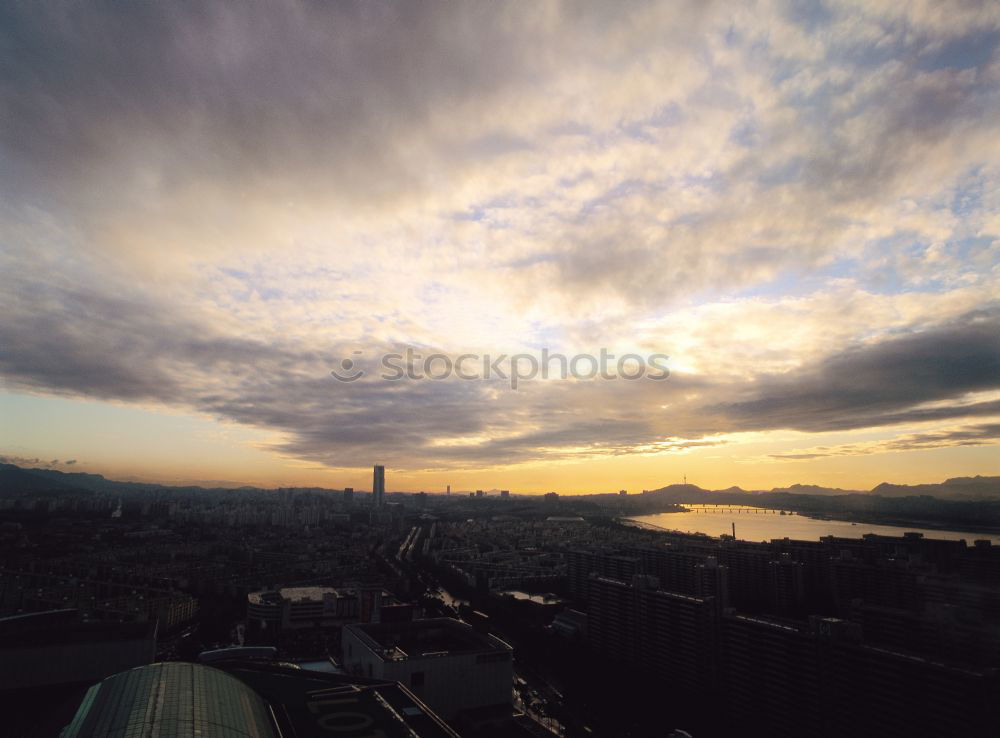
column 770, row 678
column 378, row 486
column 712, row 580
column 581, row 564
column 749, row 573
column 823, row 680
column 46, row 649
column 676, row 570
column 446, row 663
column 668, row 635
column 297, row 608
column 786, row 586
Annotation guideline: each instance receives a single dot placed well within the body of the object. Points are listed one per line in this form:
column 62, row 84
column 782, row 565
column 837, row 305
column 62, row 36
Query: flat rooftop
column 426, row 638
column 303, row 594
column 60, row 627
column 307, row 702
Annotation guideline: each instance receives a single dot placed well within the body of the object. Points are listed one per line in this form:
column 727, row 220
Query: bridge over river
column 764, row 524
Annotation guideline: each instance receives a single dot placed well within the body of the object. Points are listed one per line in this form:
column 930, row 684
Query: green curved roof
column 171, row 700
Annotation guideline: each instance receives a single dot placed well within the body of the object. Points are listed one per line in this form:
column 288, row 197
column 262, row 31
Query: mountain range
column 956, row 488
column 16, row 480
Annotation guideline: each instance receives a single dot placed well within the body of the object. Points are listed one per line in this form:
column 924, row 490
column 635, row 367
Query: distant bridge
column 734, row 509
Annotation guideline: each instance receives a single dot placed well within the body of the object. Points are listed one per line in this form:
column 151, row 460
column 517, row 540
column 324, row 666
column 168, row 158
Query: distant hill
column 957, row 488
column 812, row 489
column 20, row 480
column 15, row 480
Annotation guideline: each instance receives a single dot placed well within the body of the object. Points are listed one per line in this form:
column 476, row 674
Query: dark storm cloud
column 881, row 383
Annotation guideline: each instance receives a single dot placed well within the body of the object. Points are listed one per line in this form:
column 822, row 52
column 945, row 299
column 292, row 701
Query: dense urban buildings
column 500, row 614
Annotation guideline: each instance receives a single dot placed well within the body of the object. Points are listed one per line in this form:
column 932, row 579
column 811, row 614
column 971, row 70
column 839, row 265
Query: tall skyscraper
column 378, row 486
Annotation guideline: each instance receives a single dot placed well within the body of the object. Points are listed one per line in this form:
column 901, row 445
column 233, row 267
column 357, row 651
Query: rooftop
column 171, row 699
column 433, row 637
column 300, row 594
column 307, row 703
column 53, row 627
column 247, row 700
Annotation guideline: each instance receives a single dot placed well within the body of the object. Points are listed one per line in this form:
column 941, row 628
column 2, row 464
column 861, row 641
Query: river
column 755, row 524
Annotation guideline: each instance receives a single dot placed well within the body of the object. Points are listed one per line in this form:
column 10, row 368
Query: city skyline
column 205, row 212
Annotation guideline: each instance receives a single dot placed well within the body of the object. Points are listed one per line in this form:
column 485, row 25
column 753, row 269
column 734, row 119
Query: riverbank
column 753, row 526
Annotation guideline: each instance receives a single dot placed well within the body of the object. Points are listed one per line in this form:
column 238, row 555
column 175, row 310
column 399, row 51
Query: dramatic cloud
column 975, row 435
column 204, row 207
column 888, row 382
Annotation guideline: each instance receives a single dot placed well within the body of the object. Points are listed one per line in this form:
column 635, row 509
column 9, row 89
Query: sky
column 205, row 208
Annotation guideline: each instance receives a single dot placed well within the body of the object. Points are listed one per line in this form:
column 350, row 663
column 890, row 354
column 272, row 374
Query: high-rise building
column 378, row 486
column 348, row 495
column 786, row 586
column 505, row 493
column 666, row 634
column 712, row 581
column 580, row 564
column 448, row 491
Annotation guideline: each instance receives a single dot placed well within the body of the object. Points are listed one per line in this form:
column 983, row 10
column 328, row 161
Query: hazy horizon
column 230, row 484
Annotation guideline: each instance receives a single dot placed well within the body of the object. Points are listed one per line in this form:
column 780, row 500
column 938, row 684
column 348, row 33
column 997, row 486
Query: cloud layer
column 205, row 207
